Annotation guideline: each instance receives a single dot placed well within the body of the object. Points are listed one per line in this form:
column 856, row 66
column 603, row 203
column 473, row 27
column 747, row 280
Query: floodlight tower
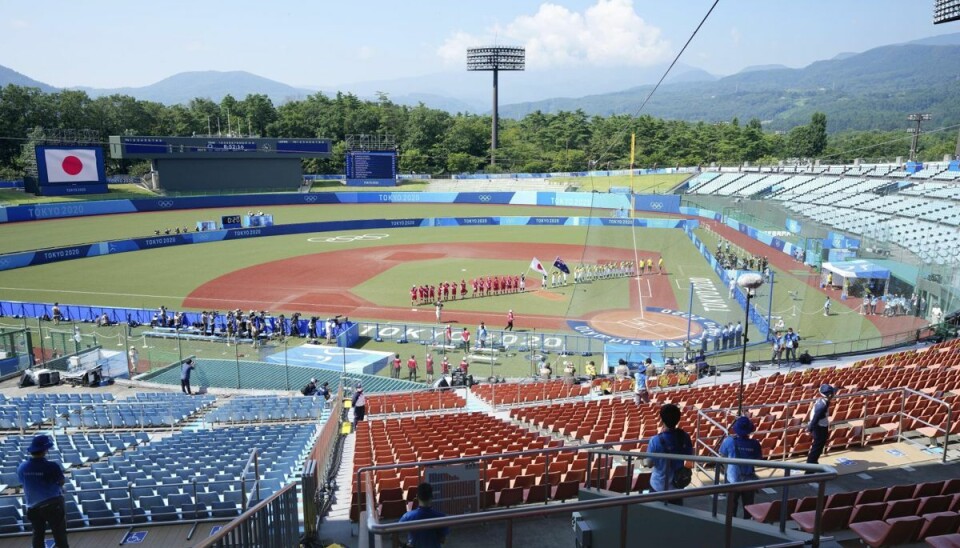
column 918, row 118
column 494, row 59
column 945, row 11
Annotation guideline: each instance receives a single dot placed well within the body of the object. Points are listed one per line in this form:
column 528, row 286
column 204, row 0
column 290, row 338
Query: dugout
column 854, row 277
column 202, row 164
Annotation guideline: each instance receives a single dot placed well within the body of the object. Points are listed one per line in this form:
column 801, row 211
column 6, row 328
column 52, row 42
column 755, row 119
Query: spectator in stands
column 43, row 493
column 667, row 474
column 324, row 391
column 185, row 369
column 310, row 389
column 425, row 538
column 741, row 446
column 591, row 370
column 819, row 425
column 640, row 391
column 359, row 402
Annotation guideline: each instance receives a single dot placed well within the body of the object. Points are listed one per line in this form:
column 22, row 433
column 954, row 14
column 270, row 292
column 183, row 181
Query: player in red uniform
column 496, row 285
column 413, row 295
column 463, row 288
column 464, row 366
column 473, row 282
column 432, row 293
column 445, row 366
column 446, row 291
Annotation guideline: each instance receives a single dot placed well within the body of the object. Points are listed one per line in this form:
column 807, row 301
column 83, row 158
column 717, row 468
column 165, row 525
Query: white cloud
column 608, row 33
column 19, row 24
column 366, row 52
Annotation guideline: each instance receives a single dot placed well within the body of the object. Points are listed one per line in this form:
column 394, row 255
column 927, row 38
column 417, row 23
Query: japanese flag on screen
column 78, row 165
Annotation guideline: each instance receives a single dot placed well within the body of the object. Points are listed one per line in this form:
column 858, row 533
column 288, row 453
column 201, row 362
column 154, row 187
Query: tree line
column 437, row 142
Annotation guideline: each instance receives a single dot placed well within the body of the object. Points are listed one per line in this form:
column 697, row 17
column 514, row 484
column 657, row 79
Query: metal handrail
column 250, row 512
column 818, row 473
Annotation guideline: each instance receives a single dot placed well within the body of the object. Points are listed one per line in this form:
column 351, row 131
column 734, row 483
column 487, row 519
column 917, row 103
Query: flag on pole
column 538, row 266
column 561, row 266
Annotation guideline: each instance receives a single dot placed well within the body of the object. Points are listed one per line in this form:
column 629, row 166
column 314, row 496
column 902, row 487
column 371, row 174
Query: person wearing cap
column 425, row 538
column 359, row 402
column 43, row 493
column 324, row 390
column 510, row 318
column 412, row 368
column 671, row 440
column 741, row 446
column 310, row 389
column 819, row 425
column 429, row 367
column 185, row 369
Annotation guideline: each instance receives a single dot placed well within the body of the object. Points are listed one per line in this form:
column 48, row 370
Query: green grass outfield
column 116, row 192
column 79, row 230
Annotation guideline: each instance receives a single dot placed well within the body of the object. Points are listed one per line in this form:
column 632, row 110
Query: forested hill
column 868, row 91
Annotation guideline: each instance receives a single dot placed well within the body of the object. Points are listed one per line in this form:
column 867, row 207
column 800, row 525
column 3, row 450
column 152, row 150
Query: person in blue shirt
column 741, row 446
column 819, row 425
column 425, row 538
column 790, row 342
column 640, row 392
column 43, row 493
column 185, row 369
column 671, row 440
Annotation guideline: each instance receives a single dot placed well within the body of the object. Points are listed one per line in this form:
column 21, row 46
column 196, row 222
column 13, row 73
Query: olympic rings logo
column 349, row 239
column 485, row 198
column 310, row 198
column 165, row 203
column 656, row 205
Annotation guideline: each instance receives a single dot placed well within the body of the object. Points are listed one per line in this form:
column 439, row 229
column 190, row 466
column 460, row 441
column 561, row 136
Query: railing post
column 818, row 517
column 784, row 496
column 728, row 520
column 624, row 513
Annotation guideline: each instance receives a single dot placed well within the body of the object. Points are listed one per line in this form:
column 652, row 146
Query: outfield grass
column 62, row 232
column 641, row 184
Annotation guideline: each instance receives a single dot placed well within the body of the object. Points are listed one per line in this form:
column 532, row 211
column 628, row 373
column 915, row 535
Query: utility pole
column 919, row 119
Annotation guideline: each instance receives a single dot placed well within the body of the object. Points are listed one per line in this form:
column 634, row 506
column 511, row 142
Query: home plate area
column 652, row 325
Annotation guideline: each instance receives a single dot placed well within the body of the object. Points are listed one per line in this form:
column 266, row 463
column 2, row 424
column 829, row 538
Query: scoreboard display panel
column 372, row 165
column 142, row 147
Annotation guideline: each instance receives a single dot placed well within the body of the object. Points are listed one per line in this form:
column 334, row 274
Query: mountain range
column 875, row 89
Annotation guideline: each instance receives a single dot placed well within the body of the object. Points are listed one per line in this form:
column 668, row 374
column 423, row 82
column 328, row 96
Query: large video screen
column 58, row 165
column 372, row 165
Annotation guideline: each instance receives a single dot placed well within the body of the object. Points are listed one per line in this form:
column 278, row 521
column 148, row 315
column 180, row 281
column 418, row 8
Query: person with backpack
column 669, row 474
column 323, row 391
column 819, row 425
column 310, row 388
column 741, row 446
column 359, row 404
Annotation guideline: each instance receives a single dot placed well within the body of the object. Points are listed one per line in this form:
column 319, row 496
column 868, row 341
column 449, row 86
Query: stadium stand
column 506, row 482
column 781, row 403
column 177, row 477
column 410, row 402
column 246, row 409
column 34, row 410
column 519, row 393
column 144, row 410
column 882, row 516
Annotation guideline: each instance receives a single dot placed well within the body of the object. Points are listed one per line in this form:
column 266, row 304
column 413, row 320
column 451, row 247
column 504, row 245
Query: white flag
column 536, row 265
column 76, row 165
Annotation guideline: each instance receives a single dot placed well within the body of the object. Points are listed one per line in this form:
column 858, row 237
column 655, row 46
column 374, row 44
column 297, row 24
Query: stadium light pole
column 494, row 59
column 748, row 283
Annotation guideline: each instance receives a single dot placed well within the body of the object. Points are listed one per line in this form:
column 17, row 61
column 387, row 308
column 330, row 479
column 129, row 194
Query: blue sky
column 112, row 43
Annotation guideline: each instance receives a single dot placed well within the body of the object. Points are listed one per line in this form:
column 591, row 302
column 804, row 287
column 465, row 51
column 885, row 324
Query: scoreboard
column 367, row 168
column 143, row 147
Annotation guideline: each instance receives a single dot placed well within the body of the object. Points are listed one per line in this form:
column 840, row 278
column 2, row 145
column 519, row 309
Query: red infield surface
column 321, row 283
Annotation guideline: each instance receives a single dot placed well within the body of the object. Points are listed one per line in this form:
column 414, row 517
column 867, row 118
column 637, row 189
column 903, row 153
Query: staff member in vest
column 43, row 493
column 819, row 426
column 741, row 446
